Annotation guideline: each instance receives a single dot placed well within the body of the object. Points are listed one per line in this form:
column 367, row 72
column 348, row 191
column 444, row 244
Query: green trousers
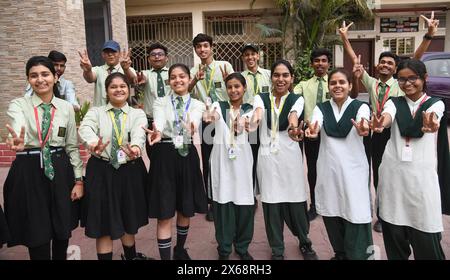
column 233, row 224
column 294, row 214
column 397, row 241
column 349, row 241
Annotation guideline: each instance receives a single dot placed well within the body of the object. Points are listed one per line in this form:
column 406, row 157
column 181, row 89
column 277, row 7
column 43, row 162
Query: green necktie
column 381, row 92
column 110, row 70
column 319, row 90
column 46, row 154
column 255, row 83
column 115, row 143
column 184, row 149
column 212, row 89
column 160, row 83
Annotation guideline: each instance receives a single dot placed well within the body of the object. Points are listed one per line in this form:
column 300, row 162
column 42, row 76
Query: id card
column 407, row 154
column 178, row 141
column 231, row 153
column 274, row 147
column 121, row 157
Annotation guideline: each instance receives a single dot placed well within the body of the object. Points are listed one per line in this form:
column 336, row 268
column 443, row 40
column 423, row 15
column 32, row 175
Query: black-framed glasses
column 159, row 54
column 410, row 79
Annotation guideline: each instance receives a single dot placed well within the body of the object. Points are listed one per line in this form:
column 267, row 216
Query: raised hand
column 358, row 68
column 141, row 78
column 210, row 116
column 296, row 133
column 85, row 63
column 432, row 24
column 224, row 71
column 238, row 123
column 99, row 147
column 343, row 31
column 430, row 122
column 125, row 59
column 132, row 152
column 16, row 143
column 201, row 72
column 153, row 135
column 362, row 127
column 376, row 123
column 189, row 126
column 313, row 130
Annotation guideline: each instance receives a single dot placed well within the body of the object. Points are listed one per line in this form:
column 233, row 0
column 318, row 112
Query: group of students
column 250, row 125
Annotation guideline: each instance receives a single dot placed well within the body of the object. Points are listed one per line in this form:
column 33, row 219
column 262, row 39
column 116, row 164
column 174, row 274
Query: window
column 399, row 24
column 399, row 46
column 97, row 16
column 438, row 67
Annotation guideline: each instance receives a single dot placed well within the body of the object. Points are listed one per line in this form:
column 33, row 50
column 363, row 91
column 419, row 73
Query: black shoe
column 246, row 257
column 377, row 226
column 139, row 257
column 308, row 252
column 277, row 257
column 209, row 215
column 224, row 258
column 338, row 257
column 312, row 214
column 180, row 254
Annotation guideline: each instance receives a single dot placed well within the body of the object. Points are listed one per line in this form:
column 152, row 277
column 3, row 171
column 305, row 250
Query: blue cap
column 113, row 45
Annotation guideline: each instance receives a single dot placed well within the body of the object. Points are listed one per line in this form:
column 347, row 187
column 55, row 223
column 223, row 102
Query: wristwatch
column 428, row 37
column 79, row 179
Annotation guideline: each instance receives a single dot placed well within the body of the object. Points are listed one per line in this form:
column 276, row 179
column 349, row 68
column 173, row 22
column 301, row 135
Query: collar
column 37, row 101
column 185, row 97
column 251, row 73
column 344, row 106
column 212, row 64
column 415, row 103
column 162, row 69
column 389, row 82
column 116, row 67
column 125, row 108
column 325, row 78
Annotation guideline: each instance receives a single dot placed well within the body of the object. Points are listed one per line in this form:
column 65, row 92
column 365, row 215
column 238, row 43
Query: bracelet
column 428, row 37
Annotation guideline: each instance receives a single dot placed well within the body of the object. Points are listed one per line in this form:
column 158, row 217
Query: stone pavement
column 201, row 242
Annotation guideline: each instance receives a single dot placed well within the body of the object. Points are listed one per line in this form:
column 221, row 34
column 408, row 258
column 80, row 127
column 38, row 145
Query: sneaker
column 377, row 226
column 312, row 214
column 209, row 215
column 307, row 252
column 180, row 254
column 139, row 257
column 277, row 257
column 246, row 257
column 224, row 258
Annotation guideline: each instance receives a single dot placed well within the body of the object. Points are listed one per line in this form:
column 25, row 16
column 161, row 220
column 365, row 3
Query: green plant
column 79, row 115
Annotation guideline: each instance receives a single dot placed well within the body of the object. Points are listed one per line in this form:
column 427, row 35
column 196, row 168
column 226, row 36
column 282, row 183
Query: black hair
column 319, row 52
column 46, row 62
column 347, row 75
column 238, row 76
column 201, row 37
column 182, row 66
column 155, row 46
column 391, row 55
column 417, row 67
column 112, row 76
column 57, row 56
column 285, row 63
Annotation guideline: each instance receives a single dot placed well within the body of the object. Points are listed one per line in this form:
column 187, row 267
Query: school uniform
column 37, row 190
column 4, row 232
column 231, row 183
column 102, row 72
column 342, row 188
column 379, row 93
column 115, row 197
column 257, row 82
column 314, row 91
column 175, row 178
column 66, row 91
column 213, row 87
column 280, row 172
column 412, row 192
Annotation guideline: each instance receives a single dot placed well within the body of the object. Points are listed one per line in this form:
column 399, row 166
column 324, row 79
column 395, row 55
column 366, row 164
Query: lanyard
column 233, row 117
column 38, row 127
column 408, row 139
column 177, row 120
column 275, row 120
column 119, row 137
column 211, row 78
column 250, row 82
column 385, row 97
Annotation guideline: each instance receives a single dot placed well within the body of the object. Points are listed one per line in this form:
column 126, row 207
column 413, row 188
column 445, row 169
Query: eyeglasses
column 410, row 79
column 155, row 54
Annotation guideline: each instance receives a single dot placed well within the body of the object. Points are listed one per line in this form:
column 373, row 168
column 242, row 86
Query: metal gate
column 231, row 32
column 173, row 31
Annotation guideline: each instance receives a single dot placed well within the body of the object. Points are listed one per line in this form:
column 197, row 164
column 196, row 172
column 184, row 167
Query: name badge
column 178, row 141
column 61, row 131
column 274, row 147
column 121, row 157
column 265, row 89
column 407, row 154
column 217, row 84
column 231, row 153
